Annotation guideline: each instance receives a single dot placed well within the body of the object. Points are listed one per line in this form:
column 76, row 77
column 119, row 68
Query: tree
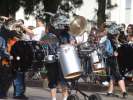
column 102, row 6
column 9, row 7
column 101, row 12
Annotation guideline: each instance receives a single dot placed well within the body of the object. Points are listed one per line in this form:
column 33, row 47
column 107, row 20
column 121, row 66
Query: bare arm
column 28, row 31
column 4, row 17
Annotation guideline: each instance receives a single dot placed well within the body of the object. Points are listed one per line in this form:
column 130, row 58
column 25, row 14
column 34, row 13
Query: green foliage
column 29, row 5
column 9, row 7
column 77, row 3
column 101, row 12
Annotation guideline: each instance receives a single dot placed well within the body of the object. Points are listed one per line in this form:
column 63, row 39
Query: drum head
column 27, row 54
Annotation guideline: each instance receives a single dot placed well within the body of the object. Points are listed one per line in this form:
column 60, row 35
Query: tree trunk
column 51, row 6
column 4, row 8
column 101, row 16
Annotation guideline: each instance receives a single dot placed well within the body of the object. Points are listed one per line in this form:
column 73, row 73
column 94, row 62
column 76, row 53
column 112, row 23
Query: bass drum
column 69, row 61
column 27, row 55
column 125, row 56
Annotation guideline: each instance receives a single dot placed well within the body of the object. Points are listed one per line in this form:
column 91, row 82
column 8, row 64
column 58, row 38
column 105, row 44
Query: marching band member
column 55, row 75
column 130, row 35
column 31, row 34
column 38, row 32
column 109, row 56
column 6, row 71
column 19, row 80
column 3, row 79
column 130, row 32
column 11, row 37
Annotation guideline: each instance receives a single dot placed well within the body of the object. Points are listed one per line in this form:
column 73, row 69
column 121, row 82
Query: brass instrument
column 78, row 25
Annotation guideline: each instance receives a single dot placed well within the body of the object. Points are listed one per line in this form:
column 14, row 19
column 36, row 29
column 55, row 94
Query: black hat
column 10, row 34
column 13, row 34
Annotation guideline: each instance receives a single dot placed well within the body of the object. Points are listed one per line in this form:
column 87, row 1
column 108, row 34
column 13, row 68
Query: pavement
column 39, row 93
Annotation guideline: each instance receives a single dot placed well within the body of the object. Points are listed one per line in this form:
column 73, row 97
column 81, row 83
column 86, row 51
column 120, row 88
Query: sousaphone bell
column 78, row 25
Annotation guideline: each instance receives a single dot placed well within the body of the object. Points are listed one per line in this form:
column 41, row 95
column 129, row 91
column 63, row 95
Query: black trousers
column 55, row 74
column 113, row 68
column 6, row 78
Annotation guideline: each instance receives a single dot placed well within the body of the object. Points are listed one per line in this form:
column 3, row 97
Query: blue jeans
column 19, row 84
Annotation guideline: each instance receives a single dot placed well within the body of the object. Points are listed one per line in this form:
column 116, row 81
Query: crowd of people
column 110, row 42
column 30, row 34
column 114, row 41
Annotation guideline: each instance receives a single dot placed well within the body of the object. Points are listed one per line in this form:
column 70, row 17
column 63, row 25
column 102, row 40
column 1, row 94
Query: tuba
column 78, row 25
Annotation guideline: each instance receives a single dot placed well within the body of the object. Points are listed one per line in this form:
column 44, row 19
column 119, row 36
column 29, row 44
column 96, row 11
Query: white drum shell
column 95, row 57
column 69, row 61
column 50, row 58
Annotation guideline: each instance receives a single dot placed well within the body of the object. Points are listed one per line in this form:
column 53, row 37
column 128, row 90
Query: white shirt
column 82, row 38
column 26, row 37
column 38, row 33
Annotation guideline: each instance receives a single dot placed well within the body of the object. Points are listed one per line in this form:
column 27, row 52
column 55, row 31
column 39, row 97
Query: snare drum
column 97, row 62
column 27, row 55
column 69, row 60
column 95, row 57
column 50, row 52
column 98, row 67
column 50, row 59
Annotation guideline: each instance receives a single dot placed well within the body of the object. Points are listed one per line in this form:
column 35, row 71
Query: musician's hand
column 22, row 26
column 115, row 53
column 5, row 62
column 72, row 42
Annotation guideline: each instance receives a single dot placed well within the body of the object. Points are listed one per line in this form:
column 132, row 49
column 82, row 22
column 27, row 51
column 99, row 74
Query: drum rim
column 72, row 75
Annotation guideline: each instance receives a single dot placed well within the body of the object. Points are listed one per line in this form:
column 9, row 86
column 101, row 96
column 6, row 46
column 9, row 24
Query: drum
column 50, row 44
column 50, row 58
column 95, row 57
column 69, row 60
column 98, row 67
column 97, row 62
column 125, row 56
column 27, row 55
column 85, row 48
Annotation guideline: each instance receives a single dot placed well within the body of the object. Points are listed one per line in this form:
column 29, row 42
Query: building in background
column 123, row 13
